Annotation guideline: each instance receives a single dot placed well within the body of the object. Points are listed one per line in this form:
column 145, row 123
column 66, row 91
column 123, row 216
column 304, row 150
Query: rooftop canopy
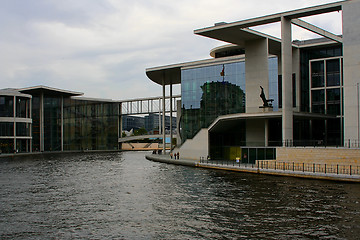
column 237, row 32
column 37, row 90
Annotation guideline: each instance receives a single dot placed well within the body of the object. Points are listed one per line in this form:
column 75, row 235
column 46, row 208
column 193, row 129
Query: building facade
column 45, row 119
column 15, row 121
column 261, row 92
column 41, row 118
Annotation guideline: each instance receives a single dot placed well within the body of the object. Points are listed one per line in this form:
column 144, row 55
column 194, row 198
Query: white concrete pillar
column 286, row 66
column 178, row 117
column 62, row 123
column 351, row 68
column 163, row 118
column 171, row 115
column 256, row 73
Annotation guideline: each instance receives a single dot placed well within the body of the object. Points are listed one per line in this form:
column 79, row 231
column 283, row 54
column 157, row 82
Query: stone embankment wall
column 139, row 146
column 342, row 156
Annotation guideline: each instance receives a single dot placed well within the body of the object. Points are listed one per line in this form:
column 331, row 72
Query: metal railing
column 349, row 143
column 289, row 166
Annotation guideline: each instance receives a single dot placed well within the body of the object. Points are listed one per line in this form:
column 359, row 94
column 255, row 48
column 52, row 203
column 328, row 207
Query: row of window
column 7, row 129
column 326, row 86
column 22, row 106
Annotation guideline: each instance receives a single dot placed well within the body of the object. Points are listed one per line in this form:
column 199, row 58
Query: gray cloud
column 102, row 48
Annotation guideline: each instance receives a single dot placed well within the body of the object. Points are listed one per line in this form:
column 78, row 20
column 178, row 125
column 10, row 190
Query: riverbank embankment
column 52, row 153
column 317, row 172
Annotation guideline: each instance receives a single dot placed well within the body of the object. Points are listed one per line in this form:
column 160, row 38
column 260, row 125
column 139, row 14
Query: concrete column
column 159, row 115
column 178, row 117
column 31, row 125
column 266, row 132
column 120, row 125
column 351, row 69
column 163, row 118
column 256, row 73
column 171, row 115
column 62, row 123
column 286, row 66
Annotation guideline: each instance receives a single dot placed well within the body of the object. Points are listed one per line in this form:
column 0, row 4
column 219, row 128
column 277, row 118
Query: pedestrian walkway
column 254, row 168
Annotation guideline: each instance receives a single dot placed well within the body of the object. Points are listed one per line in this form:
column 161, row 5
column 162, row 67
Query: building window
column 6, row 106
column 326, row 86
column 6, row 129
column 317, row 74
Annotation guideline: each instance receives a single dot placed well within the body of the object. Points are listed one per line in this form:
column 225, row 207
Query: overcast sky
column 102, row 47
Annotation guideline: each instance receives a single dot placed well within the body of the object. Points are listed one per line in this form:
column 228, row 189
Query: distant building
column 152, row 122
column 48, row 119
column 133, row 122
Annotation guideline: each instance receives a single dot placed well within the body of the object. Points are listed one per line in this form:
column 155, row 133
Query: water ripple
column 124, row 196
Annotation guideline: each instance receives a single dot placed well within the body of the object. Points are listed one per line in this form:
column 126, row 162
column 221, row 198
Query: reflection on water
column 124, row 196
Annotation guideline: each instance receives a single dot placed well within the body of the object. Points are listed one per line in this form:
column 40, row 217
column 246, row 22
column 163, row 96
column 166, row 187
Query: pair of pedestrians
column 176, row 155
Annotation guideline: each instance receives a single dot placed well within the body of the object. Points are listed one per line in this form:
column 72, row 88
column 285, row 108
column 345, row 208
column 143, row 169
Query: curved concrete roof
column 167, row 75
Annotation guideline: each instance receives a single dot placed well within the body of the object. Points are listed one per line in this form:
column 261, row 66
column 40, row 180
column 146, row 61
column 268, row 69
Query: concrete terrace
column 351, row 175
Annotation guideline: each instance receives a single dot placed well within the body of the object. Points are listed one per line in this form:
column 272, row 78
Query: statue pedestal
column 266, row 109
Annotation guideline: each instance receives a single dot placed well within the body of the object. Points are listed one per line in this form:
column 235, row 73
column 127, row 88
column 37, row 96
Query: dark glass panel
column 6, row 145
column 6, row 129
column 333, row 72
column 333, row 101
column 22, row 129
column 36, row 123
column 317, row 74
column 318, row 101
column 6, row 106
column 22, row 107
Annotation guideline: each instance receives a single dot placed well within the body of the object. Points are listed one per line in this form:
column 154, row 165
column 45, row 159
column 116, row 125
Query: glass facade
column 318, row 75
column 6, row 106
column 321, row 92
column 326, row 86
column 15, row 122
column 35, row 115
column 52, row 123
column 211, row 91
column 90, row 125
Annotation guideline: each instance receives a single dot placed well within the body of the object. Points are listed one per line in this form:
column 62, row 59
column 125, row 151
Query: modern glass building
column 15, row 121
column 45, row 119
column 261, row 92
column 41, row 118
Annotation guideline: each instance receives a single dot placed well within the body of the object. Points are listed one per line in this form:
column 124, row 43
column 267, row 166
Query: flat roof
column 225, row 121
column 237, row 31
column 36, row 90
column 13, row 92
column 171, row 74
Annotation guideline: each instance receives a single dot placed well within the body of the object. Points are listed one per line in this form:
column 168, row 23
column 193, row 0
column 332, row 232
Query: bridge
column 142, row 106
column 141, row 137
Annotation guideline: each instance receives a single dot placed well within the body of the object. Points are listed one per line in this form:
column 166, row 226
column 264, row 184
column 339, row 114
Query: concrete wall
column 255, row 132
column 341, row 156
column 196, row 147
column 256, row 73
column 178, row 118
column 137, row 146
column 351, row 48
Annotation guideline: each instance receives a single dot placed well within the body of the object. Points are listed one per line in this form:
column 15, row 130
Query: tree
column 140, row 131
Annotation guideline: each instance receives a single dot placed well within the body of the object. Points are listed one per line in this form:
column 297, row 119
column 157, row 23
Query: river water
column 125, row 196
